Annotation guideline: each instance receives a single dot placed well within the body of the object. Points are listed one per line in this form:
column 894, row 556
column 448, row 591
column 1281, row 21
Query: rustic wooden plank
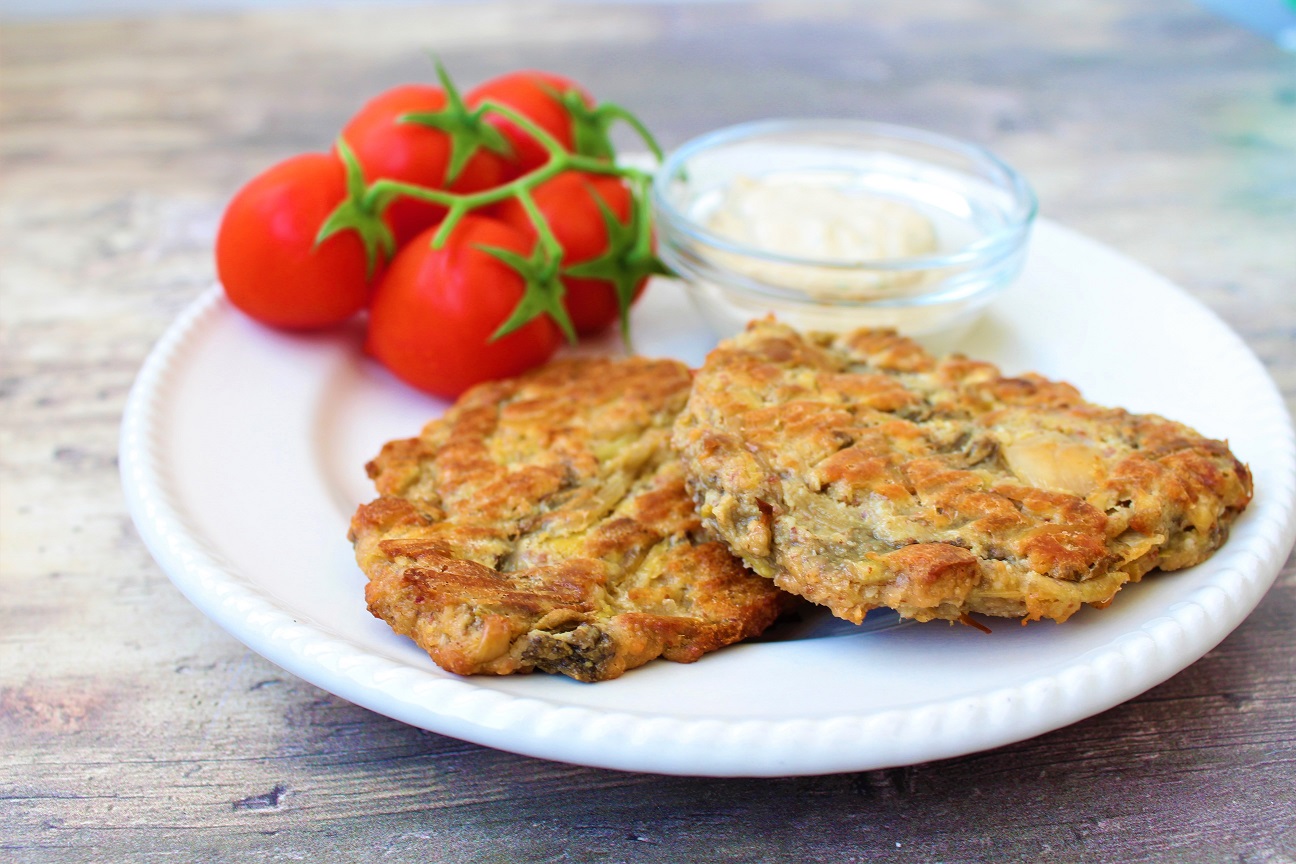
column 132, row 729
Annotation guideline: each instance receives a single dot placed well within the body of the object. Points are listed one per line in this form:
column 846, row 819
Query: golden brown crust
column 543, row 523
column 859, row 471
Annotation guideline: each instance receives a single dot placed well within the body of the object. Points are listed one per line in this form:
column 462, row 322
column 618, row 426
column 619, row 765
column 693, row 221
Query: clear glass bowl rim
column 1001, row 241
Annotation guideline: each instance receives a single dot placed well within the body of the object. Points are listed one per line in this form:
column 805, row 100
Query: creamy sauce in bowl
column 805, row 216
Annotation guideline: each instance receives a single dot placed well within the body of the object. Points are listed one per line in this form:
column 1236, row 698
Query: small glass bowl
column 979, row 209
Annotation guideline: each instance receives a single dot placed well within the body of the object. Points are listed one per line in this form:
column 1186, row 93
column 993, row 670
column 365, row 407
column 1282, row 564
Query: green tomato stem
column 553, row 250
column 354, row 213
column 610, row 111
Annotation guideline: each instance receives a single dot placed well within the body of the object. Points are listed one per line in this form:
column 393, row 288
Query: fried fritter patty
column 543, row 523
column 859, row 472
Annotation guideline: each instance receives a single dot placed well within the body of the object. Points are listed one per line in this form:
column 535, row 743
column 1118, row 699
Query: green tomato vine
column 629, row 257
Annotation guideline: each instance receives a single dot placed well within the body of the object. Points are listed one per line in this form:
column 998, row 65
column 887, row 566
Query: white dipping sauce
column 807, row 216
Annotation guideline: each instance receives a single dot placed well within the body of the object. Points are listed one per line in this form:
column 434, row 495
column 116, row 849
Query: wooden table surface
column 134, row 729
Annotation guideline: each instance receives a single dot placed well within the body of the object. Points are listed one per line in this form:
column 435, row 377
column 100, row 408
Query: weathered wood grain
column 132, row 729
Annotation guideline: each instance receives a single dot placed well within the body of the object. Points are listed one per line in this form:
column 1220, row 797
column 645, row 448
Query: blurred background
column 1273, row 19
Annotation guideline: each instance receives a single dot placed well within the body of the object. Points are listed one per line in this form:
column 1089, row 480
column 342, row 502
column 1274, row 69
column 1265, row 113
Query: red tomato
column 530, row 93
column 568, row 202
column 433, row 315
column 414, row 153
column 266, row 255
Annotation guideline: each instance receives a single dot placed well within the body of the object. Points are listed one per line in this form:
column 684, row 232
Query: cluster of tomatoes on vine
column 479, row 230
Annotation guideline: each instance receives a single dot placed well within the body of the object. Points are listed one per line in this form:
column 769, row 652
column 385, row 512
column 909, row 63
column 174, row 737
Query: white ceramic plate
column 242, row 453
